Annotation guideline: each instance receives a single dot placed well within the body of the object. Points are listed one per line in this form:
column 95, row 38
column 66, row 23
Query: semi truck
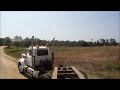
column 38, row 62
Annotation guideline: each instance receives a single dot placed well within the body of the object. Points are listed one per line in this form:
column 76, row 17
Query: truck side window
column 42, row 52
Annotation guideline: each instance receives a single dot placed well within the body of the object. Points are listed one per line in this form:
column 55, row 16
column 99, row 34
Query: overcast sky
column 63, row 25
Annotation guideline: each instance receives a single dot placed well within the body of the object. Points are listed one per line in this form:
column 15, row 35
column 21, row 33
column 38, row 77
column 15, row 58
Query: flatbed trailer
column 67, row 73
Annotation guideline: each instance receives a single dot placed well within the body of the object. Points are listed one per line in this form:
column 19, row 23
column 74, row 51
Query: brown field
column 102, row 62
column 86, row 54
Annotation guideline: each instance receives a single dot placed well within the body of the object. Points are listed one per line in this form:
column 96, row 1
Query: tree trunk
column 17, row 48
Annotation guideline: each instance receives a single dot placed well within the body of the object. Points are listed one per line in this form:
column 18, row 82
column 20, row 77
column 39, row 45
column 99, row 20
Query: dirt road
column 8, row 68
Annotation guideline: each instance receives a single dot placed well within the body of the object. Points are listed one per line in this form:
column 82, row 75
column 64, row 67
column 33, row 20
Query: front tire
column 20, row 68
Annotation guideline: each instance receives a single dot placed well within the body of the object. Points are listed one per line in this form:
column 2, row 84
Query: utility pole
column 92, row 42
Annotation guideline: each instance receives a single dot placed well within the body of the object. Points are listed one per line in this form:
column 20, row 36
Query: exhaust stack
column 53, row 51
column 33, row 62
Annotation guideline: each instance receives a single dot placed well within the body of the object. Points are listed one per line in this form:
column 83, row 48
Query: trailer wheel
column 20, row 68
column 45, row 76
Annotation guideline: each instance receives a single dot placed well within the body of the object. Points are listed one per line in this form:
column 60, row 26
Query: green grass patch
column 113, row 66
column 13, row 52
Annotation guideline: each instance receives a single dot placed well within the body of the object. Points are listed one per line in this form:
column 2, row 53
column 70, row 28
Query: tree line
column 18, row 41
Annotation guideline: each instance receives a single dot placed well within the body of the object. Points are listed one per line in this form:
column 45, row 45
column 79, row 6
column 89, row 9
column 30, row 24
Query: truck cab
column 41, row 58
column 40, row 54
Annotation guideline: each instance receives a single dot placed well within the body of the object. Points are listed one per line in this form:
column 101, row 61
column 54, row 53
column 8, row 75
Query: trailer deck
column 67, row 73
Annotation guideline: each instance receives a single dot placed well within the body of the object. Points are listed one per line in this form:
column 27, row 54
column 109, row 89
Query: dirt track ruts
column 8, row 68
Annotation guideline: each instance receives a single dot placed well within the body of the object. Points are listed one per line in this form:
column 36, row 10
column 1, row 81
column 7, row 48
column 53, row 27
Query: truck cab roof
column 38, row 47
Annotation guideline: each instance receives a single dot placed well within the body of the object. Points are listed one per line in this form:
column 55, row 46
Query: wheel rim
column 20, row 68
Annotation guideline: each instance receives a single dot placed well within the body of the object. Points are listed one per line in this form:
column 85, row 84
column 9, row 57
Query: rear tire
column 45, row 76
column 21, row 70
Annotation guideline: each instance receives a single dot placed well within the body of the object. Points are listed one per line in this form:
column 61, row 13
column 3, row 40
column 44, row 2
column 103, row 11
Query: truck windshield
column 42, row 52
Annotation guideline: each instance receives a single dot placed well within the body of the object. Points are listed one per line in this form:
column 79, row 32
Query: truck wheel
column 20, row 68
column 45, row 76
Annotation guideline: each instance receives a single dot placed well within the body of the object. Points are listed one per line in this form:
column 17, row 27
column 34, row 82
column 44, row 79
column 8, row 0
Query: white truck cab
column 41, row 57
column 40, row 53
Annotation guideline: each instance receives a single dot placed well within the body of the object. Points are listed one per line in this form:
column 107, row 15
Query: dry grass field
column 102, row 62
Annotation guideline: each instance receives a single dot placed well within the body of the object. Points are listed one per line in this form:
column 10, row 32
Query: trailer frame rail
column 67, row 73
